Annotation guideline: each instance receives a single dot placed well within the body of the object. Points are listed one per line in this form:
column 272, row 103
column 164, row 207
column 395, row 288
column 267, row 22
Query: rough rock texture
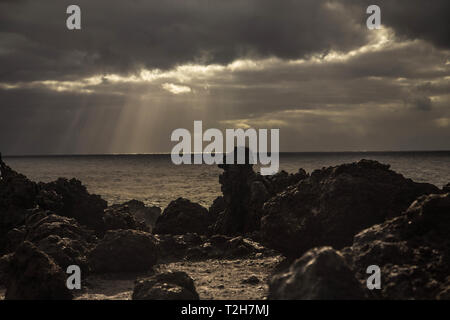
column 70, row 198
column 124, row 251
column 32, row 275
column 62, row 238
column 244, row 194
column 320, row 274
column 195, row 247
column 4, row 261
column 280, row 181
column 17, row 194
column 335, row 203
column 446, row 188
column 139, row 212
column 165, row 286
column 119, row 217
column 217, row 207
column 183, row 216
column 412, row 250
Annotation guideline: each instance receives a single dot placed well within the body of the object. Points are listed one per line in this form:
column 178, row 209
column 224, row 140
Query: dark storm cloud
column 123, row 36
column 413, row 19
column 391, row 97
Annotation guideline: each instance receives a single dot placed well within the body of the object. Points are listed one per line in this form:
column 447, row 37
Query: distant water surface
column 155, row 180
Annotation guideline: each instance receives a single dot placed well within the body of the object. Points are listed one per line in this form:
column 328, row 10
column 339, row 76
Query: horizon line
column 192, row 153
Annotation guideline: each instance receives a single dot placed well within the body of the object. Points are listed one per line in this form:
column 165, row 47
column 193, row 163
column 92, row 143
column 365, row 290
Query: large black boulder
column 333, row 204
column 183, row 216
column 124, row 251
column 71, row 199
column 320, row 274
column 17, row 195
column 32, row 275
column 412, row 251
column 165, row 286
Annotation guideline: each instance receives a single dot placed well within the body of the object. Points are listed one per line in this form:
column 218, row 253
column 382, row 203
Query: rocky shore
column 287, row 236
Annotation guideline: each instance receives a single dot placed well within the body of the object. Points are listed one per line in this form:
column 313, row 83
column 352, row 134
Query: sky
column 138, row 70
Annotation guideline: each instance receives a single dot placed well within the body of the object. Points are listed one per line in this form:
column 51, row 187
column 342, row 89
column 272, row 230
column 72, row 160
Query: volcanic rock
column 17, row 194
column 412, row 250
column 446, row 188
column 124, row 251
column 320, row 274
column 139, row 212
column 32, row 275
column 71, row 199
column 183, row 216
column 62, row 238
column 166, row 286
column 119, row 217
column 333, row 204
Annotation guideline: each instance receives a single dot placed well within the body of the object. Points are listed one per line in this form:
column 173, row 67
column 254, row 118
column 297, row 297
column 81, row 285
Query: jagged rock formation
column 446, row 188
column 217, row 207
column 70, row 198
column 320, row 274
column 17, row 194
column 124, row 251
column 183, row 216
column 194, row 247
column 412, row 250
column 165, row 286
column 32, row 275
column 61, row 238
column 119, row 217
column 244, row 194
column 139, row 212
column 333, row 204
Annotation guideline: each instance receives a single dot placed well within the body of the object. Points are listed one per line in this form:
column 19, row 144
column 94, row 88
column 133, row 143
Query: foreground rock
column 17, row 195
column 32, row 275
column 244, row 194
column 62, row 238
column 333, row 204
column 412, row 250
column 120, row 217
column 124, row 251
column 195, row 247
column 183, row 216
column 71, row 199
column 446, row 188
column 320, row 274
column 166, row 286
column 140, row 212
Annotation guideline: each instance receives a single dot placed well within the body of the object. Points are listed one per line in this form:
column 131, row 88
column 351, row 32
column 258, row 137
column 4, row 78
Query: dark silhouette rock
column 183, row 216
column 175, row 247
column 17, row 194
column 119, row 217
column 62, row 238
column 320, row 274
column 412, row 250
column 139, row 211
column 333, row 204
column 124, row 251
column 281, row 180
column 71, row 199
column 244, row 194
column 194, row 247
column 4, row 262
column 165, row 286
column 32, row 275
column 217, row 207
column 446, row 188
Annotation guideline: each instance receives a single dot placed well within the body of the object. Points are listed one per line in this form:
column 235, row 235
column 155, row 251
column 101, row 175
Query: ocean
column 153, row 179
